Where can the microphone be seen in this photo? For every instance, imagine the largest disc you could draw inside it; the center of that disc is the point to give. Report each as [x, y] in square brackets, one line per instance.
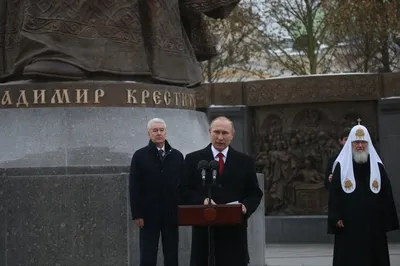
[214, 165]
[203, 165]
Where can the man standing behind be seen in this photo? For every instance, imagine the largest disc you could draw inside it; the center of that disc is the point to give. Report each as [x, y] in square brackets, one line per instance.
[361, 209]
[329, 171]
[236, 181]
[154, 178]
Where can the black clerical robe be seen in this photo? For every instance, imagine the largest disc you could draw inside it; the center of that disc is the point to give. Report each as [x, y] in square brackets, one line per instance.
[366, 216]
[238, 182]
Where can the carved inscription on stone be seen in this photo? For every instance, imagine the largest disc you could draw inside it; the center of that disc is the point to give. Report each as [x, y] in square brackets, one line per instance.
[292, 146]
[87, 94]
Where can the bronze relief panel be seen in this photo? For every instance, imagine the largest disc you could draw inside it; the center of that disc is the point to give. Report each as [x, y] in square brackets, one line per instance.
[292, 145]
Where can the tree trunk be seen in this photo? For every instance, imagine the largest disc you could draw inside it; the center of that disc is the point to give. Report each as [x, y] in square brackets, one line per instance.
[209, 71]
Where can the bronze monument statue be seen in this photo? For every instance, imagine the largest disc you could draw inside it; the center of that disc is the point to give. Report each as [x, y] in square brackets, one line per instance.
[150, 41]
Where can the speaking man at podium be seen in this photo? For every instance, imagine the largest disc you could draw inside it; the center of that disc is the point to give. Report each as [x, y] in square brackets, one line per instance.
[236, 181]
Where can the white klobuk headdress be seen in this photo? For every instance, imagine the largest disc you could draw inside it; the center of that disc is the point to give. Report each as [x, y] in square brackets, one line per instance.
[345, 158]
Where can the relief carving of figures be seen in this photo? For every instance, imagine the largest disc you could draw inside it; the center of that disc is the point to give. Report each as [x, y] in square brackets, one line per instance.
[293, 159]
[309, 174]
[281, 170]
[324, 149]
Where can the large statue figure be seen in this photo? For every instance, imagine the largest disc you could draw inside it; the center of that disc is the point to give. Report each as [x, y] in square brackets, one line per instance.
[151, 41]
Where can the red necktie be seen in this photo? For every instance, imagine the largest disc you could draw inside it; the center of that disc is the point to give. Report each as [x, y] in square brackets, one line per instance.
[221, 163]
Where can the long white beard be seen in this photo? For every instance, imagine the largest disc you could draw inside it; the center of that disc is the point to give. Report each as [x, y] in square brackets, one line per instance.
[360, 157]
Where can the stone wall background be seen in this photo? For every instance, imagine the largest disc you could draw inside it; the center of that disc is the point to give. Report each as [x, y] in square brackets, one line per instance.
[295, 127]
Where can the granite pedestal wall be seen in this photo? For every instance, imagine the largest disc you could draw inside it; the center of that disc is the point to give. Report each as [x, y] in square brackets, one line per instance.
[64, 219]
[71, 219]
[64, 167]
[256, 232]
[389, 132]
[297, 229]
[80, 137]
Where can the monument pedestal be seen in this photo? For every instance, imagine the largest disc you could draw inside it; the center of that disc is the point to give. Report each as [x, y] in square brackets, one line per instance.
[66, 149]
[64, 166]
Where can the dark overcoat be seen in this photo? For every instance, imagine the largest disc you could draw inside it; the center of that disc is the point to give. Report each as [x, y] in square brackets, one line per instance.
[154, 184]
[328, 170]
[238, 182]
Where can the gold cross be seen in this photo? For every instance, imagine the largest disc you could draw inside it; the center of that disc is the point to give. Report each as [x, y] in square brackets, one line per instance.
[359, 120]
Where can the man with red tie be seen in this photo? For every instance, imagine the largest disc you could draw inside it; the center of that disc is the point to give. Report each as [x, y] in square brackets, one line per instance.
[236, 182]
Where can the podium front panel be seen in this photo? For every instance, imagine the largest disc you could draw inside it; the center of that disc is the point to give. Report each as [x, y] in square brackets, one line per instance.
[206, 215]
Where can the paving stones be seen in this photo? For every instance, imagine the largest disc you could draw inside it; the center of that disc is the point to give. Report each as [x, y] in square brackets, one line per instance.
[311, 254]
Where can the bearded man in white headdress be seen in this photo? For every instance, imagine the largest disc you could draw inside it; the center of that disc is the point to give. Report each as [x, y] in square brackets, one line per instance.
[361, 209]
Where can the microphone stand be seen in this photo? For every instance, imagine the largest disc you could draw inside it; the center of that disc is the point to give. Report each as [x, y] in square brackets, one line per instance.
[211, 246]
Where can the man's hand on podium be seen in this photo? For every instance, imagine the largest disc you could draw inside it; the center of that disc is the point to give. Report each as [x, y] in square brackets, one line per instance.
[139, 222]
[244, 210]
[206, 202]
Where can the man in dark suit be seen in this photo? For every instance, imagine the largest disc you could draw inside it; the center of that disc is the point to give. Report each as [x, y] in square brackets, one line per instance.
[329, 171]
[236, 181]
[154, 178]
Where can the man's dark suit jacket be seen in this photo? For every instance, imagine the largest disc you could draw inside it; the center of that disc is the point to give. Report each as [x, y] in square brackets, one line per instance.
[238, 182]
[154, 184]
[329, 170]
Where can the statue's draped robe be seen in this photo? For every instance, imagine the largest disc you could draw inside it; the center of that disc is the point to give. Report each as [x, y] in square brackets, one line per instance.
[163, 39]
[366, 216]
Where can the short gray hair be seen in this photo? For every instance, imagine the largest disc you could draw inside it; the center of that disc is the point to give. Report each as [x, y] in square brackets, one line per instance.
[156, 120]
[222, 118]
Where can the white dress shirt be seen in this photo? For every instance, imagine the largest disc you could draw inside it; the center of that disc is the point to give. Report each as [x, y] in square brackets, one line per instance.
[163, 148]
[215, 153]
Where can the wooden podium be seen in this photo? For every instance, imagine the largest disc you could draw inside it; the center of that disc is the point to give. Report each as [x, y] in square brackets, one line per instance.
[210, 215]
